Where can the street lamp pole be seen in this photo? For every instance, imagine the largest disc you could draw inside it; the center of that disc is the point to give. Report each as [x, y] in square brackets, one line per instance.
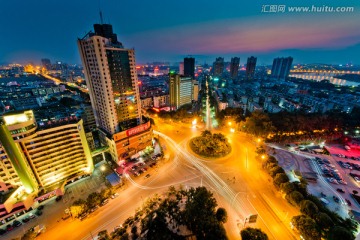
[247, 158]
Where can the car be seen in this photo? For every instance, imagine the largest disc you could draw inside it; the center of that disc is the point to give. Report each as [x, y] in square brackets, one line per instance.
[106, 201]
[336, 199]
[141, 164]
[348, 202]
[83, 216]
[134, 168]
[357, 179]
[147, 175]
[58, 198]
[342, 182]
[17, 223]
[326, 161]
[31, 216]
[38, 213]
[144, 169]
[26, 219]
[136, 174]
[2, 231]
[94, 209]
[41, 207]
[141, 171]
[340, 190]
[322, 194]
[114, 195]
[9, 228]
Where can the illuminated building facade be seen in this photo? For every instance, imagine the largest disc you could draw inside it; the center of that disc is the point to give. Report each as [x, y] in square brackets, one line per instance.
[180, 90]
[37, 160]
[111, 77]
[281, 67]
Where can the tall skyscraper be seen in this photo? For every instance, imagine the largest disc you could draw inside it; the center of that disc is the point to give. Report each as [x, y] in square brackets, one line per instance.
[46, 63]
[189, 67]
[180, 90]
[111, 78]
[181, 68]
[218, 66]
[281, 67]
[250, 67]
[234, 67]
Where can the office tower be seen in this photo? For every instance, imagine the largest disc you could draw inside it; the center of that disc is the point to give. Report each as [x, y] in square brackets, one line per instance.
[180, 90]
[111, 78]
[250, 67]
[45, 62]
[234, 67]
[281, 67]
[189, 67]
[40, 159]
[181, 68]
[218, 67]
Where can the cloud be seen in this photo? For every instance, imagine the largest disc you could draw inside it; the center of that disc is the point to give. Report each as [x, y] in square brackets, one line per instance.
[257, 35]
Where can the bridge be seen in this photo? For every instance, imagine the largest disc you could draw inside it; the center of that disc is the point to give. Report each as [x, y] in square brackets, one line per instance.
[335, 72]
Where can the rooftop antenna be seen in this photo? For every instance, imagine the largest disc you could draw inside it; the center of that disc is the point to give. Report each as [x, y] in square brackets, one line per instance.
[101, 18]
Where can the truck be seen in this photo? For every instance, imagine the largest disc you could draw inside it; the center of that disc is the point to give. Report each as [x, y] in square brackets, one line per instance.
[347, 147]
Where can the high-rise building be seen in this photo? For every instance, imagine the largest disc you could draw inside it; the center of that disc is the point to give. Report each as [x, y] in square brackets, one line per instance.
[281, 67]
[195, 95]
[218, 66]
[37, 161]
[46, 63]
[180, 90]
[111, 78]
[181, 68]
[234, 67]
[189, 67]
[110, 74]
[250, 67]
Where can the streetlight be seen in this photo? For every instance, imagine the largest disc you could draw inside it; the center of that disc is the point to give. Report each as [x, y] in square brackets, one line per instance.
[263, 156]
[103, 168]
[258, 140]
[229, 123]
[232, 130]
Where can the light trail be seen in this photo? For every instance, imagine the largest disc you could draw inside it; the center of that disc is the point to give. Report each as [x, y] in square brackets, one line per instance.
[221, 187]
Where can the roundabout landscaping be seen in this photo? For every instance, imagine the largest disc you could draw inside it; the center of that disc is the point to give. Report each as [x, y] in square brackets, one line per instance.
[210, 145]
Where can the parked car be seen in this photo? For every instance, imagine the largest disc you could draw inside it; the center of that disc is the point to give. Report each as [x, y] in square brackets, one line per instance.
[106, 201]
[41, 207]
[31, 216]
[340, 190]
[17, 223]
[38, 213]
[114, 195]
[322, 194]
[83, 216]
[147, 175]
[9, 228]
[2, 231]
[58, 198]
[336, 199]
[26, 219]
[348, 202]
[94, 209]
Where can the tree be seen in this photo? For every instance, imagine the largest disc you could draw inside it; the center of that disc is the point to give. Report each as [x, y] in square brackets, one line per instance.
[93, 199]
[258, 124]
[275, 170]
[78, 207]
[324, 221]
[308, 208]
[221, 215]
[253, 234]
[307, 227]
[29, 235]
[288, 187]
[295, 198]
[339, 232]
[103, 235]
[280, 178]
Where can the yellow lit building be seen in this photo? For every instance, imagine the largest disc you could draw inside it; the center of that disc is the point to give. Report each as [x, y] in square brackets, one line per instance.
[37, 161]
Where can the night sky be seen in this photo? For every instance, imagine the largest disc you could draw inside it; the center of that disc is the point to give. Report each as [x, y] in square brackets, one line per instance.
[168, 30]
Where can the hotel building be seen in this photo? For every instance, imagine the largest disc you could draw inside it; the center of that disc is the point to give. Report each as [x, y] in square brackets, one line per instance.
[37, 161]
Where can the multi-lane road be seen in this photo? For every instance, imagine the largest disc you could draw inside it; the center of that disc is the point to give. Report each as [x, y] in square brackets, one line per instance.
[237, 181]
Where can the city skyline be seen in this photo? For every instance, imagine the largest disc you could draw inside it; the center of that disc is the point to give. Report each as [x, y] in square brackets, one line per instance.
[240, 30]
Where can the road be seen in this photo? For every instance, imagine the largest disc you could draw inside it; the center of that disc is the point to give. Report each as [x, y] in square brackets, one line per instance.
[237, 181]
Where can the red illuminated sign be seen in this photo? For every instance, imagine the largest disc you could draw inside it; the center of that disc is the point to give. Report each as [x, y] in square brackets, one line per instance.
[138, 129]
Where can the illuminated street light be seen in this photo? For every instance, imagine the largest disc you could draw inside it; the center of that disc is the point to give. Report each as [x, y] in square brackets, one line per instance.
[102, 168]
[194, 122]
[263, 156]
[258, 140]
[346, 132]
[232, 130]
